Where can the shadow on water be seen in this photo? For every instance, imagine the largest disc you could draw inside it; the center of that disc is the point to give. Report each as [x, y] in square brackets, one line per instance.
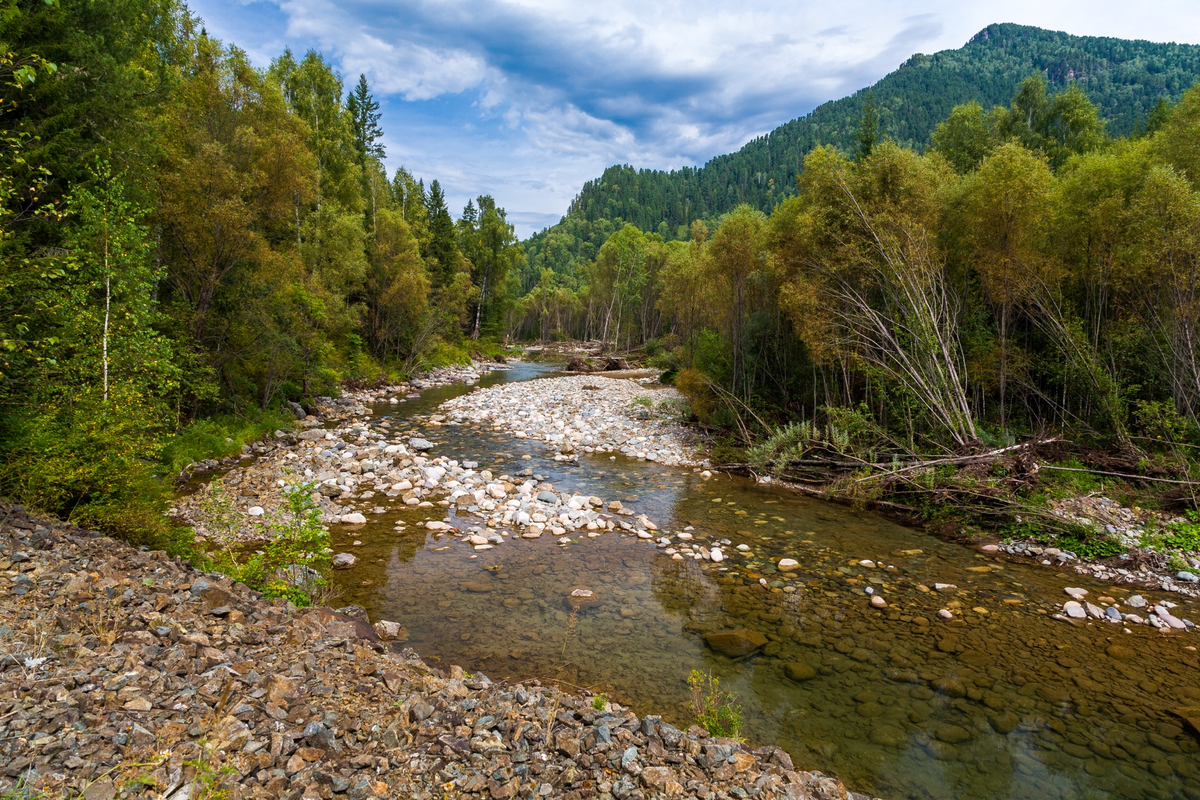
[1001, 702]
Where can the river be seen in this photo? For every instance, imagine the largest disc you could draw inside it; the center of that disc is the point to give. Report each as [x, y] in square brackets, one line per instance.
[1003, 701]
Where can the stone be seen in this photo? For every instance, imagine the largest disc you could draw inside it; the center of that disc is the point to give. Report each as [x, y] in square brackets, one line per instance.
[391, 631]
[344, 560]
[878, 602]
[1120, 652]
[1136, 601]
[736, 643]
[787, 565]
[354, 518]
[952, 734]
[420, 445]
[1189, 577]
[1074, 610]
[799, 671]
[256, 511]
[1076, 593]
[716, 555]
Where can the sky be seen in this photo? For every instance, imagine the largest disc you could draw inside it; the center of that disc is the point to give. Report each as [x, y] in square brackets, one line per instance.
[526, 100]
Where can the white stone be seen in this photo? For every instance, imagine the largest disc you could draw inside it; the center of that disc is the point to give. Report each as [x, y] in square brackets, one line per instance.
[787, 565]
[256, 511]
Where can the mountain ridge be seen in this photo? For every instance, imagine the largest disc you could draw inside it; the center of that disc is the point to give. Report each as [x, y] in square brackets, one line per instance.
[1124, 77]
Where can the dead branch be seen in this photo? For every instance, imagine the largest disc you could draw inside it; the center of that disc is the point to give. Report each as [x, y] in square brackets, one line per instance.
[959, 460]
[1119, 475]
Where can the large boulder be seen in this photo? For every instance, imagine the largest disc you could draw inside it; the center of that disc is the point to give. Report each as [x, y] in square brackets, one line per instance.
[736, 644]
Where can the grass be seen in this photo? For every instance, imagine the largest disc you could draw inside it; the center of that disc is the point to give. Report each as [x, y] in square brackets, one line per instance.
[220, 436]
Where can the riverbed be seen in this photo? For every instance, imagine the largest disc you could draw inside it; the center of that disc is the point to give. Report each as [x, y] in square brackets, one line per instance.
[1000, 701]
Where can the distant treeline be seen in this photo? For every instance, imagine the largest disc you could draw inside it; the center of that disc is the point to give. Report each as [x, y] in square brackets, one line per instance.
[1027, 272]
[1125, 79]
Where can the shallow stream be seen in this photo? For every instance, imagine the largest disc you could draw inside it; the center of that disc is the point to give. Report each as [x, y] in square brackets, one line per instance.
[1001, 702]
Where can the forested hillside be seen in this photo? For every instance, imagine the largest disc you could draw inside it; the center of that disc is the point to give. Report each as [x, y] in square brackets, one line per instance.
[1026, 273]
[187, 241]
[1125, 79]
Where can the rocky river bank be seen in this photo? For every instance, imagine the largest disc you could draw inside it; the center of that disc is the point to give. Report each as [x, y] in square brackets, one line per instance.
[125, 673]
[502, 537]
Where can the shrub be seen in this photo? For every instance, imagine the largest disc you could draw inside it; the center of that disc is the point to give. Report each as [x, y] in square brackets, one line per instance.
[714, 709]
[296, 560]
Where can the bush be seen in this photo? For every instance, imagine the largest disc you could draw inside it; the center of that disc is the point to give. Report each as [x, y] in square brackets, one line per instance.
[714, 709]
[293, 564]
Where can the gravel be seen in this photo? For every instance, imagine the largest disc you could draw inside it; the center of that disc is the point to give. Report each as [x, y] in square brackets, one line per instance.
[124, 672]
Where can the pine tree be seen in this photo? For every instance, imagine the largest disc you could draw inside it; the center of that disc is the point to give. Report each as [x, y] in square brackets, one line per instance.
[442, 251]
[364, 115]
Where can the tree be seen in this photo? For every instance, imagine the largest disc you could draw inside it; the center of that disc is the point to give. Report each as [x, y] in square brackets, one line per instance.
[963, 138]
[490, 244]
[1178, 141]
[364, 116]
[868, 133]
[739, 257]
[1167, 211]
[1060, 126]
[234, 170]
[1007, 212]
[396, 288]
[441, 253]
[868, 280]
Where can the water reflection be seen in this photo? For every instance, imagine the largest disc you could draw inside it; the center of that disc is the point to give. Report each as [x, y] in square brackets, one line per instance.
[1000, 702]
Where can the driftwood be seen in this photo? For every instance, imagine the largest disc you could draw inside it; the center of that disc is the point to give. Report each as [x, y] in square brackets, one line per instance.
[961, 460]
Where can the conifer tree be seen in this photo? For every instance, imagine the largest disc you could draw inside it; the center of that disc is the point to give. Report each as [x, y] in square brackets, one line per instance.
[442, 251]
[364, 115]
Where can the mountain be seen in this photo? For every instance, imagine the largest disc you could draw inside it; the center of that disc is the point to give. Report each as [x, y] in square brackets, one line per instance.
[1124, 78]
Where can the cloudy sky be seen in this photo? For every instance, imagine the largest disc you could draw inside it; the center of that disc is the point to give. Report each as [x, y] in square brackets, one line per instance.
[528, 99]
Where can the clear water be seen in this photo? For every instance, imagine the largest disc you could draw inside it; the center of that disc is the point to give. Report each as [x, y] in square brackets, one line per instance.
[1003, 702]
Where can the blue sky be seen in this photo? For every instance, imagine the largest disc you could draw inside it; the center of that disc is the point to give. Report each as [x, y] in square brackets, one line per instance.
[528, 99]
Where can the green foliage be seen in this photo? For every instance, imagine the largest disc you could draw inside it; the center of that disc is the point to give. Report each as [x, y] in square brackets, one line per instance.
[1176, 537]
[1090, 545]
[220, 436]
[713, 708]
[185, 241]
[293, 562]
[600, 702]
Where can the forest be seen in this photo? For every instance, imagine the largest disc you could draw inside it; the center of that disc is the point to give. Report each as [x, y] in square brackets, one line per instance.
[1027, 273]
[1125, 79]
[187, 240]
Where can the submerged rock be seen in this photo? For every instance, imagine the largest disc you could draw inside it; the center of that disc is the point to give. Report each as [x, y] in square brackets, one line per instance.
[736, 644]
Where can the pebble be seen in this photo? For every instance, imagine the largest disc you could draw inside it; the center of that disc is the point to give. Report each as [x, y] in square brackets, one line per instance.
[588, 413]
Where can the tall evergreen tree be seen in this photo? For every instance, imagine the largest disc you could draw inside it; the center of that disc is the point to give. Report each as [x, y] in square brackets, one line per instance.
[364, 115]
[442, 251]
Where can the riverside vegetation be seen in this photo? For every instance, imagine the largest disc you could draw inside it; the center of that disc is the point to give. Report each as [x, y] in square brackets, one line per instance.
[188, 243]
